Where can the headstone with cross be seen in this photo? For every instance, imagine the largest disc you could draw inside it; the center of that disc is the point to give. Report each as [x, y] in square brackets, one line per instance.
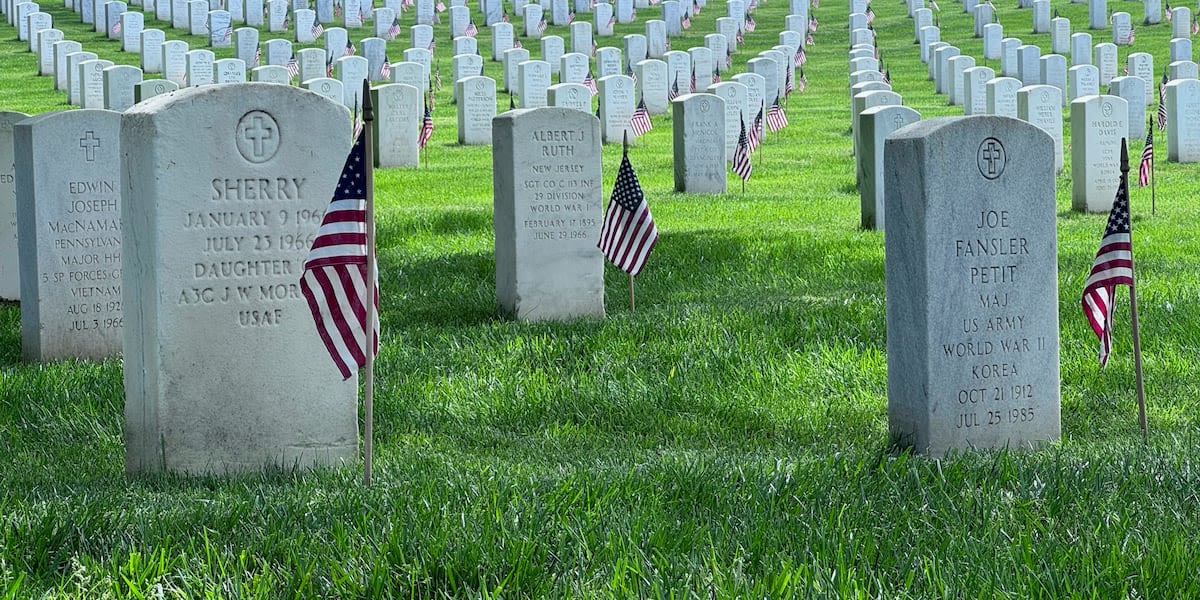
[1098, 124]
[220, 343]
[69, 226]
[972, 286]
[547, 226]
[1041, 105]
[875, 124]
[400, 110]
[476, 109]
[699, 143]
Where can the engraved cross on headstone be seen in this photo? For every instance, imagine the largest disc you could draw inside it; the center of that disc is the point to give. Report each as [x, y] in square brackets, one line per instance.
[89, 142]
[258, 133]
[992, 154]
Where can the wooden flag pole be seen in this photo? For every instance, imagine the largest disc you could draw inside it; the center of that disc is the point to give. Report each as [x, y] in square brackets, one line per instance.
[624, 155]
[369, 321]
[1133, 315]
[1153, 168]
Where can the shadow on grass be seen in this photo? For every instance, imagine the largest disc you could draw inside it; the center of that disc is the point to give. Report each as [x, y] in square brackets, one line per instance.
[447, 221]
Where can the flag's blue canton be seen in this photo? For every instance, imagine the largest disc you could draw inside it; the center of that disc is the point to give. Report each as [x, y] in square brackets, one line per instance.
[353, 185]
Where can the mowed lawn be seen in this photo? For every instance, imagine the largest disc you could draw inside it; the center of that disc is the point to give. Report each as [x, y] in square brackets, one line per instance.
[727, 439]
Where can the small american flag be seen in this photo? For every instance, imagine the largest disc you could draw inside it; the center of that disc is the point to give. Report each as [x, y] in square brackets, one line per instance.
[640, 121]
[686, 22]
[293, 66]
[751, 25]
[589, 82]
[756, 131]
[337, 10]
[812, 24]
[816, 3]
[517, 44]
[1147, 159]
[393, 29]
[1195, 26]
[740, 37]
[808, 41]
[612, 21]
[801, 82]
[696, 7]
[776, 118]
[432, 45]
[334, 281]
[1162, 103]
[887, 76]
[504, 17]
[257, 56]
[317, 30]
[934, 5]
[870, 14]
[471, 30]
[570, 17]
[800, 57]
[741, 155]
[437, 78]
[728, 56]
[789, 85]
[673, 93]
[1130, 37]
[116, 28]
[541, 26]
[426, 129]
[329, 68]
[1113, 266]
[593, 47]
[693, 82]
[385, 71]
[228, 33]
[717, 75]
[630, 74]
[350, 50]
[440, 6]
[628, 234]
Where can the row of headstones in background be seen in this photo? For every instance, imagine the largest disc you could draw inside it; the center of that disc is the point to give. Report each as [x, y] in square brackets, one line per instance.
[988, 376]
[1096, 128]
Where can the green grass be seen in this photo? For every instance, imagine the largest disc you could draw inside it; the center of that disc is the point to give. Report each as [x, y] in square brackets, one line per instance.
[727, 439]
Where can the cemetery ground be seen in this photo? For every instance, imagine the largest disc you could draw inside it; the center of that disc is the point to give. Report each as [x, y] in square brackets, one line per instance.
[727, 438]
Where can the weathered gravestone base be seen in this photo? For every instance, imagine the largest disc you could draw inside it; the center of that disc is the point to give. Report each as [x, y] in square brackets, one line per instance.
[972, 285]
[546, 177]
[224, 369]
[69, 234]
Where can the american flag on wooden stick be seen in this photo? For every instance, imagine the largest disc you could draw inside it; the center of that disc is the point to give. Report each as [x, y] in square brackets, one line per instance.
[1112, 266]
[1162, 102]
[426, 128]
[472, 30]
[629, 233]
[317, 30]
[1147, 159]
[756, 131]
[334, 281]
[776, 118]
[640, 121]
[741, 155]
